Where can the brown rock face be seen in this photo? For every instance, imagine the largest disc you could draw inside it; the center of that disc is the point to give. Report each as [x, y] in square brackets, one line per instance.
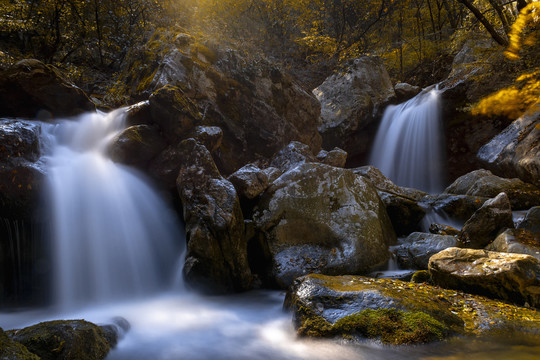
[32, 89]
[511, 277]
[216, 259]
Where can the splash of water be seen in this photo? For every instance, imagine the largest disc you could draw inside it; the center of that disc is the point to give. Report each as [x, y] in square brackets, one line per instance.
[408, 148]
[114, 236]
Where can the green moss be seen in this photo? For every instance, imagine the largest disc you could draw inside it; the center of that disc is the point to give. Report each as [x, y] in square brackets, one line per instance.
[421, 276]
[10, 349]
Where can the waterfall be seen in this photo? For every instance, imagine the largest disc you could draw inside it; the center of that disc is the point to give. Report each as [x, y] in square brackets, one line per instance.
[113, 236]
[408, 147]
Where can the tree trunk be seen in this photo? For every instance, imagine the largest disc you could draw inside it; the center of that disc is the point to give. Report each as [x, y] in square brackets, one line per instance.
[494, 34]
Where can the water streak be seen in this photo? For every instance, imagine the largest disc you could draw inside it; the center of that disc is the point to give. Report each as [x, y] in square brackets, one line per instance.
[114, 237]
[408, 147]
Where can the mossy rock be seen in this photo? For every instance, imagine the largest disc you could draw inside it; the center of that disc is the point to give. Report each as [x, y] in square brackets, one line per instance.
[64, 340]
[356, 306]
[12, 350]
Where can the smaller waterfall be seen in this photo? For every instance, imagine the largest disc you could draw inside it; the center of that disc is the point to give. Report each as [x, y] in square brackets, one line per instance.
[114, 237]
[408, 147]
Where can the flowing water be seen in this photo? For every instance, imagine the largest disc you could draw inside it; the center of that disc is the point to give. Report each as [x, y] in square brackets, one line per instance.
[408, 148]
[116, 243]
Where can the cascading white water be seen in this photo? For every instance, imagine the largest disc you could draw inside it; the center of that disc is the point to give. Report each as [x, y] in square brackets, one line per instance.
[408, 148]
[114, 237]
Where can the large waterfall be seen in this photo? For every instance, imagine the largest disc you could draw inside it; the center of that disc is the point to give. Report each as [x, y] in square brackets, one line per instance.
[409, 146]
[113, 236]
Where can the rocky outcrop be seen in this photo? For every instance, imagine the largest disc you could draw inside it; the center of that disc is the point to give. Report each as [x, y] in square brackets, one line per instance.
[515, 152]
[482, 228]
[483, 183]
[318, 218]
[517, 241]
[336, 157]
[511, 277]
[249, 181]
[397, 312]
[21, 176]
[414, 252]
[405, 91]
[292, 155]
[31, 89]
[216, 258]
[350, 101]
[64, 340]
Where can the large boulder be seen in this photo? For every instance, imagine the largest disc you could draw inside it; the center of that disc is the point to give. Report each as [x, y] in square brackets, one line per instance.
[32, 89]
[531, 221]
[216, 258]
[515, 152]
[484, 184]
[397, 312]
[482, 228]
[350, 101]
[511, 277]
[64, 340]
[414, 252]
[319, 218]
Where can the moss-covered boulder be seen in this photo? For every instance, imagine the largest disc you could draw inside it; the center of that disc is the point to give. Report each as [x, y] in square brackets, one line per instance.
[33, 89]
[64, 340]
[484, 184]
[12, 350]
[397, 312]
[216, 258]
[319, 218]
[484, 225]
[510, 277]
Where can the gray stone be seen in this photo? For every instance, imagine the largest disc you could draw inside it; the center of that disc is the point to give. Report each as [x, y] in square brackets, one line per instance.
[417, 248]
[295, 153]
[516, 241]
[249, 181]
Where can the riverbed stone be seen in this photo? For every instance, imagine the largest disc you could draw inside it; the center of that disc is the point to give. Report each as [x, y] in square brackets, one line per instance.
[330, 306]
[414, 252]
[482, 228]
[518, 241]
[531, 221]
[510, 277]
[216, 258]
[319, 218]
[64, 340]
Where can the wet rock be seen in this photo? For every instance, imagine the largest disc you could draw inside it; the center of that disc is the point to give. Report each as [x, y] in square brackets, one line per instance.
[294, 154]
[483, 183]
[330, 306]
[531, 222]
[139, 114]
[318, 218]
[336, 157]
[209, 136]
[517, 241]
[460, 207]
[175, 114]
[136, 145]
[21, 176]
[32, 89]
[515, 152]
[64, 340]
[350, 100]
[12, 350]
[406, 91]
[382, 183]
[216, 259]
[510, 277]
[482, 228]
[442, 229]
[249, 181]
[272, 173]
[414, 252]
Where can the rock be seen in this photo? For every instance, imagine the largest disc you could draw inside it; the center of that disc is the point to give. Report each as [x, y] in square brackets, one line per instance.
[397, 312]
[12, 350]
[272, 173]
[136, 145]
[21, 176]
[460, 207]
[350, 100]
[531, 221]
[173, 112]
[401, 203]
[294, 154]
[216, 259]
[64, 340]
[516, 241]
[414, 252]
[31, 89]
[442, 229]
[406, 91]
[318, 218]
[209, 136]
[336, 157]
[484, 184]
[249, 181]
[510, 277]
[139, 114]
[482, 228]
[515, 152]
